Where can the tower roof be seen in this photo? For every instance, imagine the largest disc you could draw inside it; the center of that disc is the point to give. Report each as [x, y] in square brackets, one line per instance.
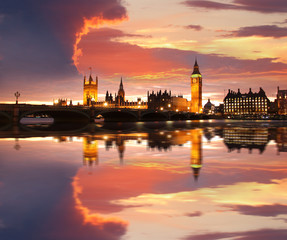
[90, 78]
[121, 89]
[196, 68]
[121, 85]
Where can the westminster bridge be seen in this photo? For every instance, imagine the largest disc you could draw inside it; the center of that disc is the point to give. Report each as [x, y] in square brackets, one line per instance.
[15, 112]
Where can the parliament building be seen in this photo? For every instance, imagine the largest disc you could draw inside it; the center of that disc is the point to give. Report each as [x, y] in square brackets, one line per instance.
[237, 103]
[90, 91]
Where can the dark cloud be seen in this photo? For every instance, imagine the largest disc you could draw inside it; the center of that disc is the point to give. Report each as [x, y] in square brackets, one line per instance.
[262, 6]
[282, 22]
[37, 38]
[264, 210]
[209, 5]
[194, 27]
[194, 214]
[263, 234]
[262, 31]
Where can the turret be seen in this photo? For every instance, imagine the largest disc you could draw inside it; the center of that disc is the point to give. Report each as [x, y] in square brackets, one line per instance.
[90, 79]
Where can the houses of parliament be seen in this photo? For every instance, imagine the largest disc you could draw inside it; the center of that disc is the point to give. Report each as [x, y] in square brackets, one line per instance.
[160, 100]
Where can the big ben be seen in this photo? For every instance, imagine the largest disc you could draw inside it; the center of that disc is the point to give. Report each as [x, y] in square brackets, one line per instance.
[196, 89]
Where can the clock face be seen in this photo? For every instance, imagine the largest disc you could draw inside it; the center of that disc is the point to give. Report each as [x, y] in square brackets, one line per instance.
[193, 80]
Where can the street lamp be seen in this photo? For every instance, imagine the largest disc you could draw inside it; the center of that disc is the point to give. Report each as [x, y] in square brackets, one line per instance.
[17, 95]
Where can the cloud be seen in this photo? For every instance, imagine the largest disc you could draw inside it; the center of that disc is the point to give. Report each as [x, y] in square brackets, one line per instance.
[261, 31]
[282, 22]
[262, 6]
[38, 39]
[194, 214]
[264, 210]
[194, 27]
[153, 180]
[263, 234]
[106, 52]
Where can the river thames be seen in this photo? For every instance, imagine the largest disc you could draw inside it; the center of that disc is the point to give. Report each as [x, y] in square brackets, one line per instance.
[192, 180]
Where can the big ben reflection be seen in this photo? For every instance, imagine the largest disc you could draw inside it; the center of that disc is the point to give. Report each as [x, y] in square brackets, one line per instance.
[90, 151]
[162, 140]
[196, 151]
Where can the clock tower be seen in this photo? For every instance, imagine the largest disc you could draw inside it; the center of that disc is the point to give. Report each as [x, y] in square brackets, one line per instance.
[196, 90]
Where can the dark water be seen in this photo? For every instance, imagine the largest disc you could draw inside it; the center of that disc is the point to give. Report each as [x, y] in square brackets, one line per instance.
[174, 180]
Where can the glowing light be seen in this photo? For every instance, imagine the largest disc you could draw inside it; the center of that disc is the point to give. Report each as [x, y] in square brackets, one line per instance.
[105, 104]
[161, 108]
[168, 105]
[105, 137]
[177, 110]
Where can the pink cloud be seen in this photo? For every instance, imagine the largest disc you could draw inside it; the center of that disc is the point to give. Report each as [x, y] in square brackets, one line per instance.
[261, 31]
[262, 6]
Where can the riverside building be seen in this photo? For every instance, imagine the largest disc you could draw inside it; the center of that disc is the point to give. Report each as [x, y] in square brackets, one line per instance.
[251, 103]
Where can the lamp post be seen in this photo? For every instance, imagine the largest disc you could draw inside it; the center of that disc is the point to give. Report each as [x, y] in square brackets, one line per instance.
[17, 95]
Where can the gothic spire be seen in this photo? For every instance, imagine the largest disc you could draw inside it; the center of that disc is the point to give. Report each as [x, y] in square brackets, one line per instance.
[196, 68]
[195, 64]
[121, 84]
[90, 78]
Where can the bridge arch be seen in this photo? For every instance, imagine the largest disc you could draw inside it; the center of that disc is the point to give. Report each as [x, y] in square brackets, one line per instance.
[179, 116]
[60, 115]
[117, 115]
[154, 116]
[5, 118]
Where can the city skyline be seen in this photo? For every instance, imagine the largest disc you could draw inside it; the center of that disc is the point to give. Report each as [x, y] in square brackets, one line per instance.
[47, 48]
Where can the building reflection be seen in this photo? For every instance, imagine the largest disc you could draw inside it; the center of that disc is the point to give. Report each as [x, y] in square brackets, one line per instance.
[234, 138]
[120, 143]
[196, 151]
[281, 139]
[250, 138]
[90, 151]
[156, 140]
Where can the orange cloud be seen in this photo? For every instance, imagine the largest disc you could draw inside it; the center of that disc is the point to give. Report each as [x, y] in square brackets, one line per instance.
[89, 24]
[113, 224]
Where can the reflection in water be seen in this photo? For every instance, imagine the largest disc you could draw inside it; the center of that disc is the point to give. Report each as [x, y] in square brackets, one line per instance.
[146, 185]
[281, 139]
[233, 138]
[196, 151]
[250, 138]
[160, 140]
[90, 149]
[17, 144]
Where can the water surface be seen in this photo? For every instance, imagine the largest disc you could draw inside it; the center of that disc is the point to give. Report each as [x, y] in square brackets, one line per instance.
[145, 181]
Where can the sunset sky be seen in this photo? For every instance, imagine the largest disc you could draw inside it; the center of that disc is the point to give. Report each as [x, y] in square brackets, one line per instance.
[46, 47]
